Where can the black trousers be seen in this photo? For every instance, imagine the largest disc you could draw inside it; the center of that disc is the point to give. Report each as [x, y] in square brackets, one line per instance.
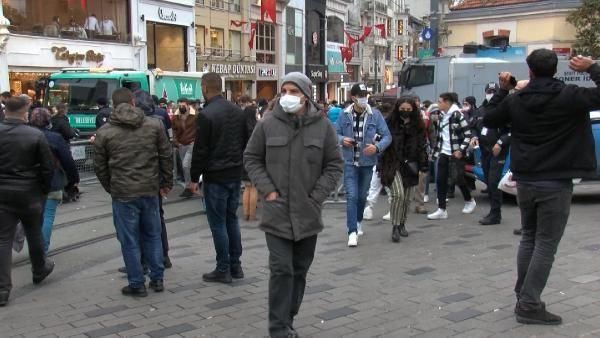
[289, 262]
[443, 173]
[494, 165]
[28, 207]
[544, 215]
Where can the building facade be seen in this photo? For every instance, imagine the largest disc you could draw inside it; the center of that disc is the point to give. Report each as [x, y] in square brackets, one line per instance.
[222, 36]
[46, 36]
[523, 25]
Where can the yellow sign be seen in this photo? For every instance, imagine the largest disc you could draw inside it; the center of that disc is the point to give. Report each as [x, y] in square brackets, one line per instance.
[63, 54]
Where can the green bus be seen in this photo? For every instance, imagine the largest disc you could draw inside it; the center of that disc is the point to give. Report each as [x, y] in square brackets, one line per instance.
[80, 88]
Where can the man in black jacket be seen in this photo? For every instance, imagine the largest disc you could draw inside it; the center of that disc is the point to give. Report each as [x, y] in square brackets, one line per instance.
[552, 143]
[26, 170]
[103, 113]
[221, 138]
[494, 144]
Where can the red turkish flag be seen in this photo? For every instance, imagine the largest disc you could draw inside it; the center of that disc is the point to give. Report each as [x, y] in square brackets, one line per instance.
[268, 7]
[351, 40]
[346, 54]
[252, 34]
[381, 28]
[366, 31]
[237, 23]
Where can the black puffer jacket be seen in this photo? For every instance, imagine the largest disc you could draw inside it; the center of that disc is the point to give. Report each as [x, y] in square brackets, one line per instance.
[551, 128]
[408, 144]
[221, 137]
[26, 163]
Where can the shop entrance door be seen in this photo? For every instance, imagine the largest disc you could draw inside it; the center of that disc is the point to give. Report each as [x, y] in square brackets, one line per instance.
[167, 47]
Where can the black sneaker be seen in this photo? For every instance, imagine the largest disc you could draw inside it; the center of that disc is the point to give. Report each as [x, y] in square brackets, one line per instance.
[38, 277]
[122, 269]
[538, 317]
[4, 298]
[293, 333]
[167, 262]
[518, 232]
[134, 292]
[187, 193]
[217, 277]
[157, 285]
[237, 272]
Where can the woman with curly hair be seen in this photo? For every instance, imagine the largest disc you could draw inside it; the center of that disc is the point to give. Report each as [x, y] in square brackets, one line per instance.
[401, 162]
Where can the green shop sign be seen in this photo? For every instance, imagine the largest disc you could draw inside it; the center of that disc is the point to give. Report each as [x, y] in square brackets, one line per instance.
[82, 121]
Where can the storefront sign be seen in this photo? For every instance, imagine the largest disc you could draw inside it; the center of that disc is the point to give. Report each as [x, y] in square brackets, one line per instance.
[186, 88]
[317, 73]
[167, 14]
[334, 58]
[267, 72]
[63, 54]
[230, 68]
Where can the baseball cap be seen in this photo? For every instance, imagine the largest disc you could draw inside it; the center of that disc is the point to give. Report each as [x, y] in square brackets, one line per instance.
[358, 89]
[491, 86]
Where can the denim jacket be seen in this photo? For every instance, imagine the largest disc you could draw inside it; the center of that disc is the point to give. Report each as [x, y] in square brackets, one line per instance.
[374, 125]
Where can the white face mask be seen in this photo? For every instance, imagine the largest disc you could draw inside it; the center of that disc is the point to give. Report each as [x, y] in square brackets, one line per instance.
[362, 102]
[290, 103]
[489, 96]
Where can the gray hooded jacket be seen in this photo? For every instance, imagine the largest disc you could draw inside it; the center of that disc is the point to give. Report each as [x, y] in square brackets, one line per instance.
[299, 158]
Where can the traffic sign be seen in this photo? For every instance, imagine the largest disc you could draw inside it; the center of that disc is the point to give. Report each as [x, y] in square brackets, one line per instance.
[427, 34]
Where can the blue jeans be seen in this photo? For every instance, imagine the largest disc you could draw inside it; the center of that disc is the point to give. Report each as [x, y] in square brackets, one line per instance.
[222, 201]
[357, 181]
[137, 221]
[49, 214]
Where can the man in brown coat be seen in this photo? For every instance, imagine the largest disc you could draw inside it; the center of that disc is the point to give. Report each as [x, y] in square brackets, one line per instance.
[184, 134]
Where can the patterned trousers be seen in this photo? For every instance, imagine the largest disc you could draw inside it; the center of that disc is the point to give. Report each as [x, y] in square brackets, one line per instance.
[400, 200]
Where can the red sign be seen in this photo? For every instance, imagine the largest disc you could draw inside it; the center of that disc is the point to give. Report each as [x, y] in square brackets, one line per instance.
[268, 7]
[562, 51]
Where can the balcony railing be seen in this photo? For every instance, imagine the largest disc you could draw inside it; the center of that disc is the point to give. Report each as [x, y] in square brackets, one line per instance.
[220, 5]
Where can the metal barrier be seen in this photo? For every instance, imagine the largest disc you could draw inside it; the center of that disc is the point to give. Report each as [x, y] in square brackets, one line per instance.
[82, 152]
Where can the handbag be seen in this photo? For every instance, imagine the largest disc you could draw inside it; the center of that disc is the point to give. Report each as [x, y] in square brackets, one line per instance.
[413, 167]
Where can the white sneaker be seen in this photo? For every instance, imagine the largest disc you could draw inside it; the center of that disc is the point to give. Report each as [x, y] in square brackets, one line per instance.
[469, 206]
[387, 217]
[368, 213]
[426, 198]
[438, 214]
[353, 240]
[359, 229]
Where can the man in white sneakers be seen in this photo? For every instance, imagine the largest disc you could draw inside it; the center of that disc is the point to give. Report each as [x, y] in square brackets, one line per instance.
[453, 140]
[357, 129]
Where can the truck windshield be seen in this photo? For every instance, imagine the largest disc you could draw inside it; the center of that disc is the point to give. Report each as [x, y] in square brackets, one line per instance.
[79, 94]
[420, 75]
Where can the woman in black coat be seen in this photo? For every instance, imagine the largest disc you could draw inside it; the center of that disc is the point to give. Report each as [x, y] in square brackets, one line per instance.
[401, 162]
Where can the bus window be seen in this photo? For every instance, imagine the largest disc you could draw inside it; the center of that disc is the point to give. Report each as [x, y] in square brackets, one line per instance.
[132, 85]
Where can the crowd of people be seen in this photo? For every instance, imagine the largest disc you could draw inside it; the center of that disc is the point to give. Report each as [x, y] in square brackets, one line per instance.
[91, 28]
[292, 153]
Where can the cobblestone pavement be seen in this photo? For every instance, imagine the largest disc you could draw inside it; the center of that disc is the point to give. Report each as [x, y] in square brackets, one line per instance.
[449, 278]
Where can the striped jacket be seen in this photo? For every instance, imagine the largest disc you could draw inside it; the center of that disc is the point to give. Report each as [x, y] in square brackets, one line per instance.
[460, 133]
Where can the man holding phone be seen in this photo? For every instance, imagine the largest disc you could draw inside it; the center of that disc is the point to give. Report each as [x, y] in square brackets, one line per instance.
[357, 128]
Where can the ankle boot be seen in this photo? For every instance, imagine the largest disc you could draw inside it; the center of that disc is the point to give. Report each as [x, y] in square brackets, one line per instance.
[403, 231]
[396, 233]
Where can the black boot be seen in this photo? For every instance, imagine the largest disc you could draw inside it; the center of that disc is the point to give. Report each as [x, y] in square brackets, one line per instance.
[403, 231]
[490, 220]
[167, 262]
[396, 233]
[237, 272]
[39, 276]
[4, 298]
[157, 285]
[217, 277]
[538, 316]
[518, 232]
[134, 292]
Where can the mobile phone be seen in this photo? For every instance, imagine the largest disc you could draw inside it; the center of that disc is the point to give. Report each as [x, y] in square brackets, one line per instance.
[513, 81]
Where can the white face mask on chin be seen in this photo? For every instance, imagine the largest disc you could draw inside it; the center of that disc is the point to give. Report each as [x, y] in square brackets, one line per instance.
[290, 103]
[489, 96]
[362, 102]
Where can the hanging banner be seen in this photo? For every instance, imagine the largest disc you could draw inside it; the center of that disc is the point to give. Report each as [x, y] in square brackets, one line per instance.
[381, 28]
[366, 31]
[252, 34]
[237, 23]
[351, 40]
[346, 54]
[268, 8]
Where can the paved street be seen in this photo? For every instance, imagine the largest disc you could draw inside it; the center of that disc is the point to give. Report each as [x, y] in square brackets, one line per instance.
[449, 278]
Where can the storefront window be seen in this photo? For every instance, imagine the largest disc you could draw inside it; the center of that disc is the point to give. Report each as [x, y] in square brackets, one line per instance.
[106, 20]
[335, 29]
[235, 43]
[265, 43]
[200, 44]
[166, 46]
